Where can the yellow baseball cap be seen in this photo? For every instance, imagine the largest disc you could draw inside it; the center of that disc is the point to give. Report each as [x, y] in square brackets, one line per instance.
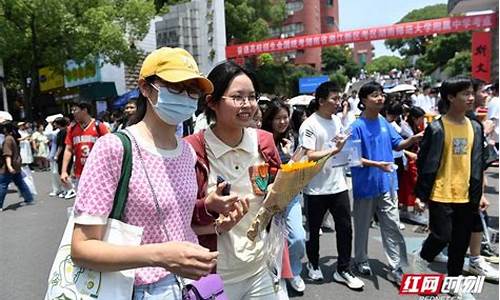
[174, 65]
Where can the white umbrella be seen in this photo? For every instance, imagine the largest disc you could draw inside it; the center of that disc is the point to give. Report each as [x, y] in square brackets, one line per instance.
[5, 116]
[300, 100]
[52, 118]
[264, 98]
[401, 88]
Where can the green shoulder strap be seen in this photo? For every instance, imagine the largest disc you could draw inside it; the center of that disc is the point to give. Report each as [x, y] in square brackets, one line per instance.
[121, 194]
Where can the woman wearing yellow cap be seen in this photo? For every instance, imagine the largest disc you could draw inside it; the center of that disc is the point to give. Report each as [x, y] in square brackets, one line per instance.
[162, 189]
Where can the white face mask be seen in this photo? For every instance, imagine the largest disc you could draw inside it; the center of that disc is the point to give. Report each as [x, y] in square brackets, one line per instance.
[174, 109]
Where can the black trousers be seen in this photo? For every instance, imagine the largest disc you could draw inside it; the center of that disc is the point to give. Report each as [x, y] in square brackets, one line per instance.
[339, 207]
[450, 224]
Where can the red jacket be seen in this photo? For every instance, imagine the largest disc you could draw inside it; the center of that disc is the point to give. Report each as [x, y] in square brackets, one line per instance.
[269, 153]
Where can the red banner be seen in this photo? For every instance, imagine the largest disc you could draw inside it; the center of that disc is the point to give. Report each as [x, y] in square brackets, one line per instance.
[481, 55]
[397, 31]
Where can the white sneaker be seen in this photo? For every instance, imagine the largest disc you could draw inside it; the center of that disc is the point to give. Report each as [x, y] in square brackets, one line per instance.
[70, 194]
[61, 194]
[480, 267]
[297, 284]
[314, 274]
[441, 258]
[53, 194]
[349, 279]
[402, 226]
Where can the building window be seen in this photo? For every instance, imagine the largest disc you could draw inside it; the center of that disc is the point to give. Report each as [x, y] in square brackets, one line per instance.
[330, 21]
[329, 2]
[294, 6]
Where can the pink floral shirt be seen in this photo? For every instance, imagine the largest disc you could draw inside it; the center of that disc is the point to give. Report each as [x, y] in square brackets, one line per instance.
[173, 177]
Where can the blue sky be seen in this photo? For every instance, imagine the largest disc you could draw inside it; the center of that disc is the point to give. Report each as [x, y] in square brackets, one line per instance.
[357, 14]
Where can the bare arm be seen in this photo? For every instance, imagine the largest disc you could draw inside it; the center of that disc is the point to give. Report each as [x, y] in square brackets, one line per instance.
[183, 258]
[68, 153]
[316, 155]
[340, 141]
[410, 141]
[8, 163]
[384, 165]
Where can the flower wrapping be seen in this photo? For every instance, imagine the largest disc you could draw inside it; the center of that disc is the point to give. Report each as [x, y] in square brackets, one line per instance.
[289, 181]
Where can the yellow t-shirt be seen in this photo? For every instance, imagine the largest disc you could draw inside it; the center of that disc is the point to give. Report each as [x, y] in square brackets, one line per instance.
[452, 180]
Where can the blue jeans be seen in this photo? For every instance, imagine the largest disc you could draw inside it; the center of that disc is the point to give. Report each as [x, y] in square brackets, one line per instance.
[164, 289]
[7, 178]
[296, 235]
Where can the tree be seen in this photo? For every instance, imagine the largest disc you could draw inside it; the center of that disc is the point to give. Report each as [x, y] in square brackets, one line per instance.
[417, 46]
[443, 48]
[37, 33]
[279, 78]
[339, 58]
[248, 21]
[460, 64]
[434, 51]
[384, 64]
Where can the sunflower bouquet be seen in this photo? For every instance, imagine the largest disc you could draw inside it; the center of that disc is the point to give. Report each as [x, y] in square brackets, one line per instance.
[290, 180]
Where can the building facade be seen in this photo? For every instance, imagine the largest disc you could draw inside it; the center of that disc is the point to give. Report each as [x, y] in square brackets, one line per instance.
[469, 6]
[197, 26]
[309, 17]
[362, 53]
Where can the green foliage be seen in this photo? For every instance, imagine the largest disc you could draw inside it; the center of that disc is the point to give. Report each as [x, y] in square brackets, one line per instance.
[161, 6]
[434, 51]
[279, 78]
[384, 64]
[460, 64]
[339, 58]
[37, 33]
[248, 21]
[416, 46]
[339, 78]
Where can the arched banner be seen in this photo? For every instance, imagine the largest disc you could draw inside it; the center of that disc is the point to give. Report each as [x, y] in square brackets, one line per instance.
[397, 31]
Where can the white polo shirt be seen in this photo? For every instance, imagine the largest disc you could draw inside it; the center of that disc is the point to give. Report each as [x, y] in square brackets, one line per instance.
[239, 258]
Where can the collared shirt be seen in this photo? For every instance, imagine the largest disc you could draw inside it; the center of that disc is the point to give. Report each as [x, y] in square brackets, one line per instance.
[239, 258]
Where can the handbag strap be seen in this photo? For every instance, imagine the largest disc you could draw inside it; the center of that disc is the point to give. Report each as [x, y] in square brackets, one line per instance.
[121, 194]
[161, 216]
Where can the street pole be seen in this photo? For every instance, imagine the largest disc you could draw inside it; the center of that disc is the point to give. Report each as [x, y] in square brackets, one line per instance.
[4, 97]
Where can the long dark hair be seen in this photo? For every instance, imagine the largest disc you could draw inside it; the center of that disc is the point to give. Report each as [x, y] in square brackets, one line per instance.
[141, 104]
[296, 119]
[221, 76]
[271, 112]
[8, 128]
[414, 113]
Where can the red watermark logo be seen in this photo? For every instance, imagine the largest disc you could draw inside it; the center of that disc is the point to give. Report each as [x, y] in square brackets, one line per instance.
[434, 284]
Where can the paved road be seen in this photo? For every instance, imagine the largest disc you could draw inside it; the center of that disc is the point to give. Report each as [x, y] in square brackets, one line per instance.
[29, 237]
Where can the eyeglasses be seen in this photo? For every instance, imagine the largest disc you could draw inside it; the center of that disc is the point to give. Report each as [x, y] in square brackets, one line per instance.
[240, 100]
[177, 89]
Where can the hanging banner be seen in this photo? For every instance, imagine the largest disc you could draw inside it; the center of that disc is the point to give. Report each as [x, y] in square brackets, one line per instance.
[397, 31]
[481, 56]
[49, 79]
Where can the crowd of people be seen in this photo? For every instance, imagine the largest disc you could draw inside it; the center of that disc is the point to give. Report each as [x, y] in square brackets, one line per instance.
[205, 151]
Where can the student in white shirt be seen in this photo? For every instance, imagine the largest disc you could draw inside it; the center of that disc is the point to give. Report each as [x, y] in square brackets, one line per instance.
[320, 135]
